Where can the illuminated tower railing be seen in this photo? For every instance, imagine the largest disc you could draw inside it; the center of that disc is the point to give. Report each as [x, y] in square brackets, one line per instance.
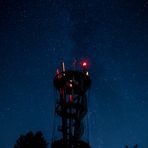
[71, 108]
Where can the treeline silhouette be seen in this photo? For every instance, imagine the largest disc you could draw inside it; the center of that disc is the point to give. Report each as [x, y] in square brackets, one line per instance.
[37, 140]
[135, 146]
[31, 140]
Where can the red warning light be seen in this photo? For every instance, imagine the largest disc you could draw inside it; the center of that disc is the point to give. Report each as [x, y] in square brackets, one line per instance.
[70, 98]
[84, 64]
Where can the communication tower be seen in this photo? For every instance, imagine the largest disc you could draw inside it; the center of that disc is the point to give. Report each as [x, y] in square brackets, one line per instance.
[71, 108]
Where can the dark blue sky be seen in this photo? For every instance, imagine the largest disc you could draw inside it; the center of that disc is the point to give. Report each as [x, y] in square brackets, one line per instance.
[35, 36]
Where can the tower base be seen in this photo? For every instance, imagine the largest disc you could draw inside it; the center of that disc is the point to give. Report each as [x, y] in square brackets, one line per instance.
[70, 144]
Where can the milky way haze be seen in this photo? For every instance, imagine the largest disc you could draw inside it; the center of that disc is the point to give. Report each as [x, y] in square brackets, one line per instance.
[35, 36]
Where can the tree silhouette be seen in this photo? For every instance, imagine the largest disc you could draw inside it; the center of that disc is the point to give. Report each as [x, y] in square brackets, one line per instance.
[31, 140]
[136, 146]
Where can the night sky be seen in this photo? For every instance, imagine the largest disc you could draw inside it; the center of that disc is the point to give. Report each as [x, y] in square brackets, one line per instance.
[112, 35]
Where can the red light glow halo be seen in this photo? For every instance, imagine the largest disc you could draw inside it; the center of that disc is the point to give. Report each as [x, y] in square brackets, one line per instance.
[84, 63]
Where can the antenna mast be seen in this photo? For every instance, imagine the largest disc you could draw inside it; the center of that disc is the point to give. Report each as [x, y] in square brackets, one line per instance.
[71, 108]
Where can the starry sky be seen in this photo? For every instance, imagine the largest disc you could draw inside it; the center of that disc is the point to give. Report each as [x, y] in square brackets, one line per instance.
[112, 35]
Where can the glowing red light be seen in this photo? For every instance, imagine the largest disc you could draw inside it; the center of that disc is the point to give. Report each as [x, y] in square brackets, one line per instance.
[84, 64]
[70, 98]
